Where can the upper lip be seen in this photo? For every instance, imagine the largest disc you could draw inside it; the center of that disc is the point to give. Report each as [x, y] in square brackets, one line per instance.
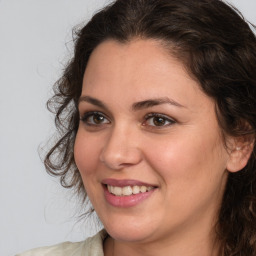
[125, 182]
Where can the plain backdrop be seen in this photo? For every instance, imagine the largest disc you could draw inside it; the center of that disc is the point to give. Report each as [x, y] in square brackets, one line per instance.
[35, 43]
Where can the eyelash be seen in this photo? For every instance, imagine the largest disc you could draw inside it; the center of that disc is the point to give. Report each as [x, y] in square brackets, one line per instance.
[92, 114]
[160, 116]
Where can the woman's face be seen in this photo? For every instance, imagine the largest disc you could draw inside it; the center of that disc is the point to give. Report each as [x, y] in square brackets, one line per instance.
[148, 147]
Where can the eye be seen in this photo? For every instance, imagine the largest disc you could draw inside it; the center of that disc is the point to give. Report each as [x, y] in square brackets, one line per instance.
[158, 120]
[94, 119]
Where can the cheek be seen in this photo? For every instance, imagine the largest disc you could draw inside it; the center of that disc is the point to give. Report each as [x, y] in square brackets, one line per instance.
[188, 161]
[189, 170]
[86, 153]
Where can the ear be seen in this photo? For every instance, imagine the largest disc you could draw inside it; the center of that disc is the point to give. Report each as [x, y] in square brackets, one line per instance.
[240, 150]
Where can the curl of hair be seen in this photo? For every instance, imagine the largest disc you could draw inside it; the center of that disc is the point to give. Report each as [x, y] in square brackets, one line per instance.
[217, 47]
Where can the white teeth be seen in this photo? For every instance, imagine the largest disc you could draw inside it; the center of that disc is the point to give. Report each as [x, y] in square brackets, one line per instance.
[128, 190]
[117, 191]
[143, 189]
[135, 189]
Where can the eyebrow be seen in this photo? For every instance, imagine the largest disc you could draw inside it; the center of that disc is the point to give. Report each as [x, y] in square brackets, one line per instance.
[93, 101]
[135, 106]
[155, 102]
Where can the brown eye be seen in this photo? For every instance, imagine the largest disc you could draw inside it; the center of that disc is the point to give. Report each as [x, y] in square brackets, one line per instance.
[98, 119]
[158, 120]
[94, 118]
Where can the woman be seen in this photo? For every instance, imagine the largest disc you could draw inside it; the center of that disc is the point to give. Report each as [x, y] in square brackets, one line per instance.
[157, 115]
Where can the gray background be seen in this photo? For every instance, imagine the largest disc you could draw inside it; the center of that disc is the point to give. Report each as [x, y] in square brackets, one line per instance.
[35, 42]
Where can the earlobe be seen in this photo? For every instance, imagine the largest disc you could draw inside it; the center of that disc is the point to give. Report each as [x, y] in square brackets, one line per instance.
[239, 156]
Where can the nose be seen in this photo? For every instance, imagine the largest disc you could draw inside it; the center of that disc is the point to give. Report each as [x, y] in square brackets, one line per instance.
[121, 149]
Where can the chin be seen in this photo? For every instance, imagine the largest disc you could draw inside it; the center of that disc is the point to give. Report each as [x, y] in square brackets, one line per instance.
[130, 231]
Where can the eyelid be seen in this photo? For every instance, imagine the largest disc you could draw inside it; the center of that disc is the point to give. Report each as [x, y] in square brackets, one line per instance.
[153, 114]
[167, 118]
[88, 114]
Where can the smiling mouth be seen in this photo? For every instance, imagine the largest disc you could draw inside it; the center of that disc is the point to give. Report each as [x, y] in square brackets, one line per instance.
[128, 190]
[127, 193]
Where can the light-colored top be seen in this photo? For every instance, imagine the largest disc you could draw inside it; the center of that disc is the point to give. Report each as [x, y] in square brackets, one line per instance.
[92, 246]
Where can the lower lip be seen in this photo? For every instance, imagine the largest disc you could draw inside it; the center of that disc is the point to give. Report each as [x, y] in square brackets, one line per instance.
[126, 201]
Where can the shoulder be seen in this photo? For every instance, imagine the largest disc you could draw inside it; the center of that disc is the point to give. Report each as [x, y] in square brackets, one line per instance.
[92, 246]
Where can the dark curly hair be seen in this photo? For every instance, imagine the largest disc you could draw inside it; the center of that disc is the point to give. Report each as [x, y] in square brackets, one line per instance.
[218, 48]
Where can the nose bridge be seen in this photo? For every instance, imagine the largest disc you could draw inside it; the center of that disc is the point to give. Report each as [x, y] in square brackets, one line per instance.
[122, 147]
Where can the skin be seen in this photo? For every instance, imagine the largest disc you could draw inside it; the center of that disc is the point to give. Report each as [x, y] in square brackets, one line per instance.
[185, 158]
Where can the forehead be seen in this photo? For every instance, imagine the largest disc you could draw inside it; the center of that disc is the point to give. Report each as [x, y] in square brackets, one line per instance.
[137, 57]
[139, 68]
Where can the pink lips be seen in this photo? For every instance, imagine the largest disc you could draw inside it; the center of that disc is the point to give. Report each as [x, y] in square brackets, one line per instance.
[125, 201]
